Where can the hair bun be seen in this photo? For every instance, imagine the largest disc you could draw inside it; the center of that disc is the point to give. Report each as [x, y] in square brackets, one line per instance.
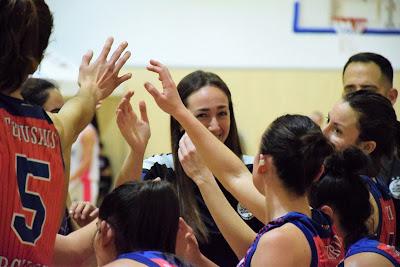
[349, 162]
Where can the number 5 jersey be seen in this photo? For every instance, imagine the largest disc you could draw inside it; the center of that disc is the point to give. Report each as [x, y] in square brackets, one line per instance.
[32, 184]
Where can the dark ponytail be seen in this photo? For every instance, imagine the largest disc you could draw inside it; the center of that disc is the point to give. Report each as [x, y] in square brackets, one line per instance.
[298, 149]
[343, 189]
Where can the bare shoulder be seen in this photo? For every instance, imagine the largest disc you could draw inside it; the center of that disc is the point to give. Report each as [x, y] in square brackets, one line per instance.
[283, 246]
[125, 263]
[367, 259]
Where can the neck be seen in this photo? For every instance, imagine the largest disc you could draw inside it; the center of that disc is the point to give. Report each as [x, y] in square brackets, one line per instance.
[279, 201]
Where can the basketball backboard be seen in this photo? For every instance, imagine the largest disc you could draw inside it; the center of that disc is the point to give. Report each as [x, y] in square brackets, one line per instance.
[318, 16]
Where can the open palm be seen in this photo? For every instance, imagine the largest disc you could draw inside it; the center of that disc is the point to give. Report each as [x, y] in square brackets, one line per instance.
[135, 131]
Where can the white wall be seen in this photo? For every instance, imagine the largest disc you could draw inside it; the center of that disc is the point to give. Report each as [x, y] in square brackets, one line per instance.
[203, 33]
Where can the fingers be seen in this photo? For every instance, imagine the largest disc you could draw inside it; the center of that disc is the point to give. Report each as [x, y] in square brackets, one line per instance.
[106, 49]
[152, 90]
[143, 111]
[121, 61]
[123, 78]
[94, 213]
[86, 210]
[76, 209]
[118, 52]
[188, 142]
[163, 72]
[86, 58]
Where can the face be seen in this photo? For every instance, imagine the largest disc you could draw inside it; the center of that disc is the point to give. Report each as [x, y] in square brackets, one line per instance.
[54, 102]
[365, 75]
[210, 106]
[342, 126]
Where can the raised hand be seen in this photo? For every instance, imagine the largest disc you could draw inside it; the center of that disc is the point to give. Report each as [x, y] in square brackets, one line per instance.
[136, 132]
[168, 100]
[192, 162]
[83, 212]
[102, 74]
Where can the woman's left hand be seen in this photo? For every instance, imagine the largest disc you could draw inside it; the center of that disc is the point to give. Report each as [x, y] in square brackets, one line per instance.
[191, 161]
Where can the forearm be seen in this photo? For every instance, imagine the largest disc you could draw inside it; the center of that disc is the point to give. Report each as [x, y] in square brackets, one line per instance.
[225, 165]
[235, 231]
[73, 117]
[75, 248]
[132, 168]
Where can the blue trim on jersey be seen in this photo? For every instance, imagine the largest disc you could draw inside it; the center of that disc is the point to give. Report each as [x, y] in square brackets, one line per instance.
[369, 245]
[379, 191]
[309, 228]
[18, 107]
[146, 257]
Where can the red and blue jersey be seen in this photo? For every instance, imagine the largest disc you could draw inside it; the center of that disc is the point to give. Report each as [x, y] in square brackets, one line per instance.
[153, 258]
[32, 184]
[386, 230]
[326, 247]
[371, 245]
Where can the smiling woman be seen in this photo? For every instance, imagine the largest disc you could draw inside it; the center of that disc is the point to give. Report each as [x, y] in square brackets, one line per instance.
[368, 121]
[207, 96]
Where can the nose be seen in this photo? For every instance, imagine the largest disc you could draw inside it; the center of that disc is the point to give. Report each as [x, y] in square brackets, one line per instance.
[213, 126]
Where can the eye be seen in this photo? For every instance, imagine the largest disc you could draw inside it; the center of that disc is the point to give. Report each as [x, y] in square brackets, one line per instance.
[337, 131]
[327, 119]
[223, 113]
[201, 115]
[349, 89]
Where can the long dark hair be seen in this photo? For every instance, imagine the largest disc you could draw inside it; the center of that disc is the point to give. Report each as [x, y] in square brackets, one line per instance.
[25, 28]
[298, 148]
[343, 190]
[377, 121]
[184, 185]
[144, 216]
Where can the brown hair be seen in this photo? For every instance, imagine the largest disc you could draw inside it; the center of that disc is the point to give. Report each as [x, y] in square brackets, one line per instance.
[25, 28]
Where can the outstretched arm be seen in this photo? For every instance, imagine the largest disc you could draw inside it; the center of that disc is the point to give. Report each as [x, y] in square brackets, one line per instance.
[136, 133]
[97, 80]
[235, 231]
[223, 163]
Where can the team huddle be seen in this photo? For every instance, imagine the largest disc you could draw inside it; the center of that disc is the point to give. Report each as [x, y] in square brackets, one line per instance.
[309, 197]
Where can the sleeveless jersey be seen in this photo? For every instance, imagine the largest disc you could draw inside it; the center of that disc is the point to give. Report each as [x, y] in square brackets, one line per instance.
[153, 258]
[32, 184]
[371, 245]
[386, 232]
[326, 248]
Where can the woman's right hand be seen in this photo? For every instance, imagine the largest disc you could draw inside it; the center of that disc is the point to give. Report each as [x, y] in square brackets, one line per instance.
[135, 131]
[168, 100]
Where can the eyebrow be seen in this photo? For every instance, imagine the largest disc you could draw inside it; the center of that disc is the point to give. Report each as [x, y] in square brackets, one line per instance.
[207, 109]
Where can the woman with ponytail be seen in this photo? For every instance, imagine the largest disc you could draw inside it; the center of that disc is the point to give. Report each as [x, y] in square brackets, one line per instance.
[368, 121]
[35, 145]
[343, 195]
[290, 158]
